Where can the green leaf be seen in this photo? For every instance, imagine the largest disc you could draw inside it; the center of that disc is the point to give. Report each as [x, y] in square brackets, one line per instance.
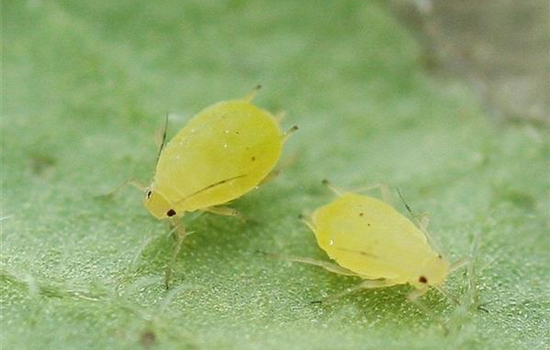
[87, 84]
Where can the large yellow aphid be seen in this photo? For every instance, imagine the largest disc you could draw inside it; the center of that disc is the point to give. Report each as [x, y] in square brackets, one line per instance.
[223, 152]
[370, 239]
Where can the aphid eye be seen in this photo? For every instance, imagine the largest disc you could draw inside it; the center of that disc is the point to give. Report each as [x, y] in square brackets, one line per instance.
[422, 279]
[171, 212]
[148, 194]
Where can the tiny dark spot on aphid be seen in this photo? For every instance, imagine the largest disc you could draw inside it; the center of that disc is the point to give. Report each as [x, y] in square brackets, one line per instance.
[423, 279]
[368, 225]
[171, 212]
[439, 256]
[361, 214]
[238, 133]
[148, 338]
[253, 158]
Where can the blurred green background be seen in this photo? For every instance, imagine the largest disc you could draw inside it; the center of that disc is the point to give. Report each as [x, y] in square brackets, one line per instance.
[85, 87]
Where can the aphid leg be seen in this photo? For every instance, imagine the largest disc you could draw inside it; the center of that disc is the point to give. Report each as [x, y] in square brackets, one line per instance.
[382, 187]
[276, 172]
[132, 182]
[460, 263]
[384, 190]
[472, 272]
[415, 294]
[225, 211]
[414, 297]
[280, 116]
[252, 93]
[320, 263]
[179, 236]
[273, 174]
[307, 221]
[289, 132]
[367, 284]
[423, 221]
[337, 191]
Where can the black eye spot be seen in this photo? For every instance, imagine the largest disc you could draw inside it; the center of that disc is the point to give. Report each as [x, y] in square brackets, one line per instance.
[171, 212]
[149, 193]
[423, 279]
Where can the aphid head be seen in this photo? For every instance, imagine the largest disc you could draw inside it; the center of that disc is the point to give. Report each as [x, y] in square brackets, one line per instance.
[434, 272]
[157, 205]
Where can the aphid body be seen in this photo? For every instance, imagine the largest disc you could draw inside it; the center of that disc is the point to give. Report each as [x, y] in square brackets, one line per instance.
[224, 152]
[374, 241]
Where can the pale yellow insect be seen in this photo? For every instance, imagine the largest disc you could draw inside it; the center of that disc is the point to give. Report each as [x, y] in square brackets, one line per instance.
[370, 239]
[223, 152]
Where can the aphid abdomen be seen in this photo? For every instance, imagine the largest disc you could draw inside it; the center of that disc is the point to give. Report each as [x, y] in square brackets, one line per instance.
[233, 141]
[370, 238]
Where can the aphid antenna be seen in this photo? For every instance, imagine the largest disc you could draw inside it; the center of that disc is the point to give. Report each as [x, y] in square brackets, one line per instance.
[136, 184]
[163, 141]
[420, 225]
[253, 93]
[289, 132]
[130, 181]
[447, 295]
[405, 203]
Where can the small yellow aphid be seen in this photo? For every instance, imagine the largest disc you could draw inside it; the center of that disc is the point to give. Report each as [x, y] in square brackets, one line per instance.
[368, 238]
[223, 152]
